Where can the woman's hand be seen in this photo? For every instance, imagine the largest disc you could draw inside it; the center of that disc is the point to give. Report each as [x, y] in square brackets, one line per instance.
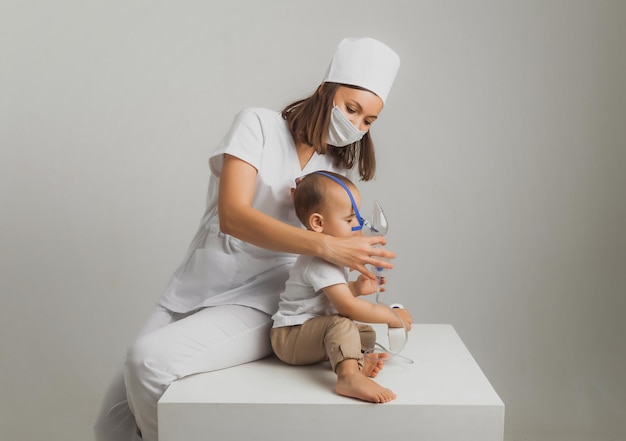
[356, 252]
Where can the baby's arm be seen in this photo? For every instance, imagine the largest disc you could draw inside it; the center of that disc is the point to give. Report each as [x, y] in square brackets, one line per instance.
[361, 310]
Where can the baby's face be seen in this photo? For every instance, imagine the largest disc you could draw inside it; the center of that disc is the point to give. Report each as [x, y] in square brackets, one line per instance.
[339, 216]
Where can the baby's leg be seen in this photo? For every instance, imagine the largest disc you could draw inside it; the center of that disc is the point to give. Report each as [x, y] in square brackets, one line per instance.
[368, 337]
[352, 383]
[302, 344]
[343, 345]
[373, 362]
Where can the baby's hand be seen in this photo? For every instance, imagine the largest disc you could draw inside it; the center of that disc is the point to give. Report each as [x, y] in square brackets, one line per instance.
[365, 286]
[404, 316]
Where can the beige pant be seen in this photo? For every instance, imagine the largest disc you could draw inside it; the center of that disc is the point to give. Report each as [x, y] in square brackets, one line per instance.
[333, 337]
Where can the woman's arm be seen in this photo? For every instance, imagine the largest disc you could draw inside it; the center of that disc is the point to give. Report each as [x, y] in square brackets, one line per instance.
[239, 219]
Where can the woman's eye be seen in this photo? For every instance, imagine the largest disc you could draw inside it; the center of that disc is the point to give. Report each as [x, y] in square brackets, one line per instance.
[350, 109]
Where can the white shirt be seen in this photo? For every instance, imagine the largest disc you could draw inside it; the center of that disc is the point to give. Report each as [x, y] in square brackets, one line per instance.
[303, 298]
[220, 269]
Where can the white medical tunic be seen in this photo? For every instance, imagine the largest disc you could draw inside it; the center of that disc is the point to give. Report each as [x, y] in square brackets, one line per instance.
[220, 269]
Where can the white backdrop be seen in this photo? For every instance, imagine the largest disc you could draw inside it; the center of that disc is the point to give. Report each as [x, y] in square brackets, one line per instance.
[502, 168]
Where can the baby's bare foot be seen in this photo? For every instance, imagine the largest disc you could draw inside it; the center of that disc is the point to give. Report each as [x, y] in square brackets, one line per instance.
[373, 363]
[359, 386]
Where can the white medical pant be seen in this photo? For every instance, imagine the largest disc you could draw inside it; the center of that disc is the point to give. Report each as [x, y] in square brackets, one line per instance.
[172, 346]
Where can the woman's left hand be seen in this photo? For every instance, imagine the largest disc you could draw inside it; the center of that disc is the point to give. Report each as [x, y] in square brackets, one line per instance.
[356, 252]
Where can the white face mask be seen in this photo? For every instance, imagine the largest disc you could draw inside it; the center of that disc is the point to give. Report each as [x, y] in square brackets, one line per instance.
[341, 132]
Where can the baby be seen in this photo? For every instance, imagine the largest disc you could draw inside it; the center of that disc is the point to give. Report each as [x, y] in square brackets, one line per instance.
[317, 309]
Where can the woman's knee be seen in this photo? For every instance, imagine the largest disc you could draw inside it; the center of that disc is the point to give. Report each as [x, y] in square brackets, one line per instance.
[145, 360]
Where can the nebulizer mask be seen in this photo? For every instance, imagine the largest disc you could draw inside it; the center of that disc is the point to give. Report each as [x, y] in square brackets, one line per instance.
[341, 132]
[378, 226]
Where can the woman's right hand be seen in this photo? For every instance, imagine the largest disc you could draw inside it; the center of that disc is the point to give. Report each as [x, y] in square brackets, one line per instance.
[357, 252]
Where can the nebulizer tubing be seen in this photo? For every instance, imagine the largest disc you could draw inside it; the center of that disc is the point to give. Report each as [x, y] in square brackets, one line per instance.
[379, 227]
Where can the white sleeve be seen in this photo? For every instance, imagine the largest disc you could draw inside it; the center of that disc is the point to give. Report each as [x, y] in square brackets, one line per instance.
[244, 140]
[321, 274]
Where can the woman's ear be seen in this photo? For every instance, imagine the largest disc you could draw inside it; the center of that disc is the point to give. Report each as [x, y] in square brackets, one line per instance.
[316, 222]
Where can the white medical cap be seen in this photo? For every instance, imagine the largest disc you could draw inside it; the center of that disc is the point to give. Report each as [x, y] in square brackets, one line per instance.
[366, 63]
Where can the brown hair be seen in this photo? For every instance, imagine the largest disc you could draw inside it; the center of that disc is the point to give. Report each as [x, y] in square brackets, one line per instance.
[309, 118]
[309, 195]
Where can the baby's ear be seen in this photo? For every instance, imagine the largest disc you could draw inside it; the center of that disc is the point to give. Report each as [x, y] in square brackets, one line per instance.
[316, 222]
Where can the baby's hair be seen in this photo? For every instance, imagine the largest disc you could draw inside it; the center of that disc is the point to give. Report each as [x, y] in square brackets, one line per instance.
[308, 197]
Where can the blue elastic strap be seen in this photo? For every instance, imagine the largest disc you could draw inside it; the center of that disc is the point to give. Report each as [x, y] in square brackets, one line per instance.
[354, 207]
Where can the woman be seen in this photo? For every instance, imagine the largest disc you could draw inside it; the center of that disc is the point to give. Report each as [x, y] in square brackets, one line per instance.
[216, 311]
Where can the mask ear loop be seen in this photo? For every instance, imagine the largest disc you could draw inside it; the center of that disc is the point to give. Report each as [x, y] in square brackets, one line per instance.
[391, 354]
